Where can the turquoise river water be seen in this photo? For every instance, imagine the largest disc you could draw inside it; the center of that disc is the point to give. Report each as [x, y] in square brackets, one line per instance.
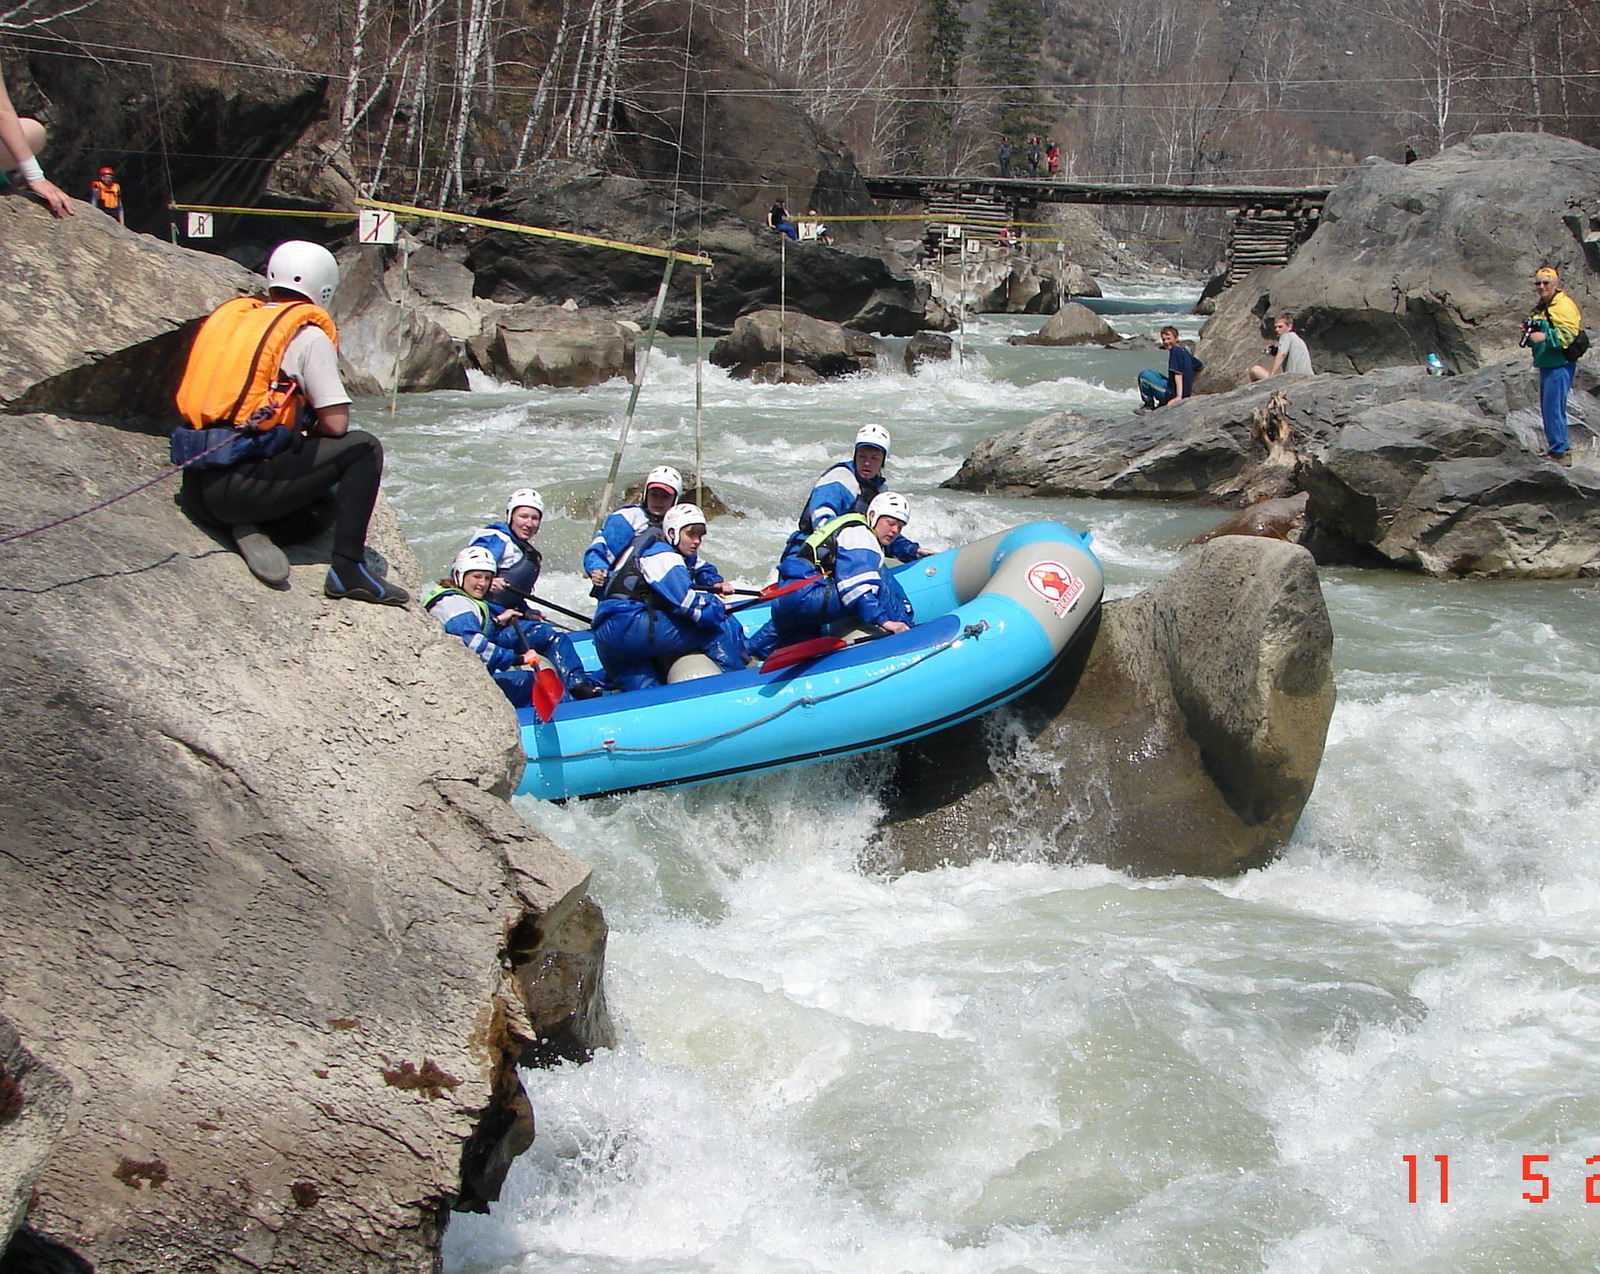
[1019, 1066]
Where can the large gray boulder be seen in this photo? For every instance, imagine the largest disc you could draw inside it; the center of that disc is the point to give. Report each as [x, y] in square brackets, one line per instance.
[98, 319]
[34, 1103]
[536, 344]
[1436, 256]
[1445, 475]
[404, 319]
[1072, 324]
[754, 266]
[268, 913]
[774, 337]
[1185, 739]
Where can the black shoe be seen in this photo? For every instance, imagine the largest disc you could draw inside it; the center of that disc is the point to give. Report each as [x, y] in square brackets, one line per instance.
[584, 690]
[367, 587]
[264, 558]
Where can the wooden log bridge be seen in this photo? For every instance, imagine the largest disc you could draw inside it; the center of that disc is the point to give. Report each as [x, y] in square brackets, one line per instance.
[1269, 222]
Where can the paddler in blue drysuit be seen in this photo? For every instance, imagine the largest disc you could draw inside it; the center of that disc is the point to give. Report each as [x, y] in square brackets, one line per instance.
[510, 597]
[460, 606]
[661, 602]
[849, 487]
[662, 487]
[847, 555]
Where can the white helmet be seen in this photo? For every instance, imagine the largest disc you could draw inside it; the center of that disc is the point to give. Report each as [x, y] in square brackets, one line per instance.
[890, 504]
[306, 268]
[665, 476]
[524, 498]
[472, 558]
[678, 517]
[873, 436]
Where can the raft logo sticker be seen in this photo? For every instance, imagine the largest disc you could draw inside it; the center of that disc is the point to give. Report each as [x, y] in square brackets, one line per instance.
[1057, 585]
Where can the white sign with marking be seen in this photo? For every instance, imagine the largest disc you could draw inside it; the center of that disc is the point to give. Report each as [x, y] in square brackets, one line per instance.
[377, 226]
[200, 225]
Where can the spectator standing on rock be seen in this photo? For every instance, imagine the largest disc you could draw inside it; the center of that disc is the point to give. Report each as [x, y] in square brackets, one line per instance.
[20, 141]
[262, 381]
[105, 193]
[1411, 154]
[1549, 330]
[1182, 367]
[1290, 357]
[1003, 154]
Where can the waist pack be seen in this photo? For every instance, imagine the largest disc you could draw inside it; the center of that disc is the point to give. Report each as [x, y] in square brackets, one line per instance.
[1578, 347]
[223, 446]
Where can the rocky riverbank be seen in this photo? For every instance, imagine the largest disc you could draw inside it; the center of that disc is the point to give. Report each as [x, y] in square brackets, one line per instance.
[275, 943]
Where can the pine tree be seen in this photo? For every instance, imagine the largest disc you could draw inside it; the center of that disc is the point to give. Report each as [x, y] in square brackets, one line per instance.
[944, 44]
[1008, 60]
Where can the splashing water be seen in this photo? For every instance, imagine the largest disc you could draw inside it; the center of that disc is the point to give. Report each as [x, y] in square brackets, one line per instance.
[1009, 1066]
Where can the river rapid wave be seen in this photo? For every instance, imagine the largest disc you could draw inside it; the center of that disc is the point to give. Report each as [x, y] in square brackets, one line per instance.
[1023, 1066]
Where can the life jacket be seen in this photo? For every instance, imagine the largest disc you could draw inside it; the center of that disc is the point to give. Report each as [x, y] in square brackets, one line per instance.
[439, 592]
[110, 193]
[522, 576]
[627, 576]
[233, 376]
[821, 547]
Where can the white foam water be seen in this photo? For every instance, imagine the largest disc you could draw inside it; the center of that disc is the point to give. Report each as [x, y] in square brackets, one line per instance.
[1009, 1066]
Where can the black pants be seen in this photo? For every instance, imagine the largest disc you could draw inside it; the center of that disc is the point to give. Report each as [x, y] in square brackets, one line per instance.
[265, 490]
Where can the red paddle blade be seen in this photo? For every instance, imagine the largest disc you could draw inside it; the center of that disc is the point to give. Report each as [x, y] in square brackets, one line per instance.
[547, 692]
[779, 589]
[786, 656]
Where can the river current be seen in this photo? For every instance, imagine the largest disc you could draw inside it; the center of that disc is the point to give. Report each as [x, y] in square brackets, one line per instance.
[1018, 1066]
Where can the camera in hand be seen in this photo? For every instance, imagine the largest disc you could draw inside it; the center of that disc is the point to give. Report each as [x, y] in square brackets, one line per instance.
[1528, 329]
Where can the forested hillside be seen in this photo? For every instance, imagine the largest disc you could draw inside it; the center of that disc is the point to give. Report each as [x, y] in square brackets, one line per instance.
[443, 100]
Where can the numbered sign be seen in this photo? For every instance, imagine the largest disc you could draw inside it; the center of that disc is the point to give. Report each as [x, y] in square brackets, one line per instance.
[377, 226]
[200, 225]
[952, 232]
[974, 248]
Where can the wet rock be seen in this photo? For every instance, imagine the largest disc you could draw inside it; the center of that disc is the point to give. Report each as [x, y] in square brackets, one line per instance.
[1185, 738]
[1283, 518]
[927, 347]
[770, 336]
[1072, 324]
[1436, 256]
[550, 345]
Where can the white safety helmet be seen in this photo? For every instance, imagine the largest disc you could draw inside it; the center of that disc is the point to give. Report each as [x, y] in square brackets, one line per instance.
[873, 436]
[524, 498]
[472, 558]
[890, 504]
[304, 268]
[665, 476]
[678, 517]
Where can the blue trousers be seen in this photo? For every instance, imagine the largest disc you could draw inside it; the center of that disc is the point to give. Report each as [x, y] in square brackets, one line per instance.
[1155, 388]
[631, 641]
[805, 613]
[1555, 383]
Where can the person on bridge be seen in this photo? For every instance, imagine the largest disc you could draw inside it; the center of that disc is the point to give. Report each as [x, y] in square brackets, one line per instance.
[1035, 154]
[1052, 159]
[1003, 154]
[1290, 357]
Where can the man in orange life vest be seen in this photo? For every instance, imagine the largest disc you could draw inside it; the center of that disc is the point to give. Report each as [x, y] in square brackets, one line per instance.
[105, 193]
[267, 428]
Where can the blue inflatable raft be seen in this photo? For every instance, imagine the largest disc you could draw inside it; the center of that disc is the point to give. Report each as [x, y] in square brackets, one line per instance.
[993, 618]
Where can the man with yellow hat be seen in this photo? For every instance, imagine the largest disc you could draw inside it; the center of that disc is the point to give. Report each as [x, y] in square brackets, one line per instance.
[1549, 331]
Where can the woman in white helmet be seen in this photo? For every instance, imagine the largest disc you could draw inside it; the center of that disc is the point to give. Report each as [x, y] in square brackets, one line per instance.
[846, 554]
[849, 487]
[516, 575]
[660, 602]
[270, 370]
[663, 486]
[458, 603]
